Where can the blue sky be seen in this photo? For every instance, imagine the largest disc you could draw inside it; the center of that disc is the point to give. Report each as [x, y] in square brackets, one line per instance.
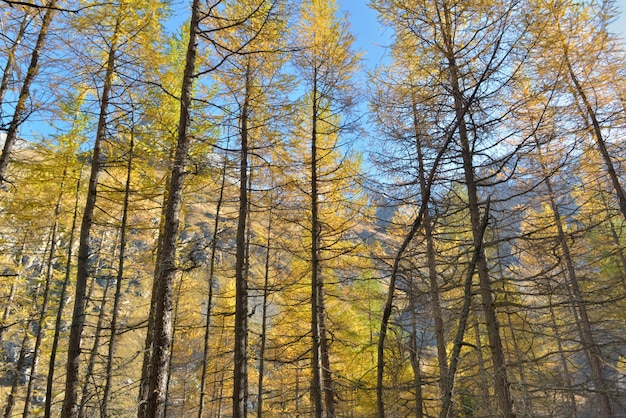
[620, 25]
[369, 34]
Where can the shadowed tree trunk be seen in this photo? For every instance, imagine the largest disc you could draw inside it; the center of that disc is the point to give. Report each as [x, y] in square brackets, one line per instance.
[211, 278]
[20, 368]
[70, 403]
[264, 306]
[501, 383]
[46, 300]
[62, 297]
[106, 396]
[240, 389]
[592, 349]
[158, 339]
[415, 349]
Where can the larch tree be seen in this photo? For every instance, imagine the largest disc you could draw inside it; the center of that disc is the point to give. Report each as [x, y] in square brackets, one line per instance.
[158, 339]
[327, 62]
[253, 78]
[118, 24]
[592, 39]
[468, 53]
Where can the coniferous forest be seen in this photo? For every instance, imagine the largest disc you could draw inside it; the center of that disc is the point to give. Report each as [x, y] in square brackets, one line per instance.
[216, 208]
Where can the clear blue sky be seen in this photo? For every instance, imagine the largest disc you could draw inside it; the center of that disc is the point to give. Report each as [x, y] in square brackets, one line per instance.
[620, 25]
[369, 34]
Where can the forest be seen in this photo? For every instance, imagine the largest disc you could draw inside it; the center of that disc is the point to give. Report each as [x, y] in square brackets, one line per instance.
[214, 208]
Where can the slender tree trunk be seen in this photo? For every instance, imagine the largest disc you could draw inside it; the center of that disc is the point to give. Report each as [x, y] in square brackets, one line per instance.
[526, 409]
[431, 254]
[9, 303]
[482, 370]
[62, 296]
[322, 388]
[618, 246]
[207, 324]
[70, 403]
[146, 367]
[93, 355]
[565, 373]
[586, 334]
[173, 348]
[414, 353]
[20, 107]
[8, 67]
[317, 384]
[263, 336]
[455, 356]
[502, 388]
[7, 308]
[106, 396]
[327, 379]
[600, 142]
[20, 369]
[218, 380]
[152, 405]
[240, 386]
[46, 300]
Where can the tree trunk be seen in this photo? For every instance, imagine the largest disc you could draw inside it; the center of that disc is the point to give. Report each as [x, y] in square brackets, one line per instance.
[207, 324]
[7, 308]
[501, 383]
[106, 396]
[327, 379]
[62, 296]
[8, 67]
[414, 352]
[240, 386]
[482, 370]
[565, 373]
[152, 403]
[46, 300]
[263, 335]
[20, 107]
[173, 347]
[578, 303]
[526, 409]
[317, 384]
[20, 369]
[431, 254]
[70, 403]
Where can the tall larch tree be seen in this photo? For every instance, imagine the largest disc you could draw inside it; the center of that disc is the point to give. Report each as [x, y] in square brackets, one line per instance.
[327, 62]
[467, 53]
[117, 24]
[251, 77]
[159, 336]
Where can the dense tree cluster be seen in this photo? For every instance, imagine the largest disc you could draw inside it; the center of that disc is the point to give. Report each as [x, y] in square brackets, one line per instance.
[226, 216]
